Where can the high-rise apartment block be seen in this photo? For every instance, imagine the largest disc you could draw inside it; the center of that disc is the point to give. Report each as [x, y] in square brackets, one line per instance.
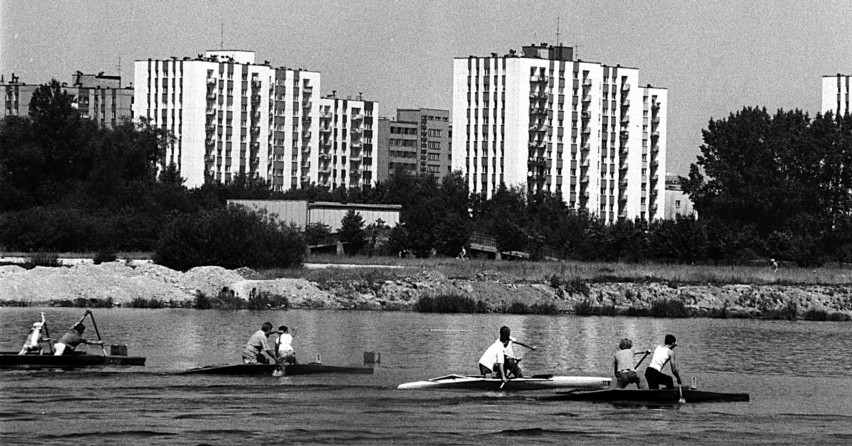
[417, 140]
[232, 116]
[548, 122]
[348, 139]
[835, 94]
[98, 97]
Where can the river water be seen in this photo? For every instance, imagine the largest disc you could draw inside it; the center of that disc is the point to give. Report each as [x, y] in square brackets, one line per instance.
[799, 376]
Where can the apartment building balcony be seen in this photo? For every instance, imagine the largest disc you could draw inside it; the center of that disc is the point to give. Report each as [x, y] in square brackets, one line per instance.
[211, 96]
[536, 111]
[625, 87]
[625, 103]
[655, 120]
[357, 131]
[586, 130]
[654, 178]
[355, 144]
[537, 161]
[355, 158]
[358, 117]
[210, 111]
[655, 164]
[306, 148]
[585, 147]
[308, 89]
[211, 81]
[623, 166]
[655, 134]
[655, 149]
[255, 83]
[625, 120]
[655, 107]
[326, 169]
[255, 130]
[538, 78]
[306, 133]
[538, 95]
[584, 179]
[587, 98]
[325, 129]
[325, 115]
[584, 164]
[307, 104]
[624, 134]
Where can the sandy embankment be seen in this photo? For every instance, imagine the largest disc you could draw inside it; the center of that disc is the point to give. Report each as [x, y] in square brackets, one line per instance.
[123, 283]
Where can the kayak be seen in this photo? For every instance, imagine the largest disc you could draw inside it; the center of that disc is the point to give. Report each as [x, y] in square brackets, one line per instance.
[268, 369]
[536, 382]
[12, 360]
[649, 396]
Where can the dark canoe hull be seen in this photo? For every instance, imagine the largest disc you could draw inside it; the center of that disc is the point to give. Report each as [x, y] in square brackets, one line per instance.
[660, 396]
[14, 361]
[268, 369]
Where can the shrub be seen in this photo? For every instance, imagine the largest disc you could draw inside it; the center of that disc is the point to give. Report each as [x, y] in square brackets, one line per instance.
[789, 312]
[141, 302]
[42, 259]
[231, 238]
[266, 300]
[450, 303]
[105, 255]
[578, 286]
[815, 315]
[668, 308]
[587, 308]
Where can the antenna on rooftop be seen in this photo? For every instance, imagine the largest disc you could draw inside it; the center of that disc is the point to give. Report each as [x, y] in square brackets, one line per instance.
[119, 71]
[222, 36]
[557, 31]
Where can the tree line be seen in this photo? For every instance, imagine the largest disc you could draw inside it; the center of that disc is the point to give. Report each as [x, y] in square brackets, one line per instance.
[764, 186]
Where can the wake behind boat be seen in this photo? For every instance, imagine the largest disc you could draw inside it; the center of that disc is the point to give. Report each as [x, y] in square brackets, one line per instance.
[536, 382]
[268, 369]
[651, 396]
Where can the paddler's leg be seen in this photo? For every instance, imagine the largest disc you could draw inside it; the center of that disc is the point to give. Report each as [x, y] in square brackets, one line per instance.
[484, 371]
[512, 367]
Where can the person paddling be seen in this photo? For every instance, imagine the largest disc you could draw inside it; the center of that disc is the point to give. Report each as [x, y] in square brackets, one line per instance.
[511, 361]
[33, 343]
[663, 354]
[71, 339]
[257, 345]
[625, 371]
[493, 359]
[284, 346]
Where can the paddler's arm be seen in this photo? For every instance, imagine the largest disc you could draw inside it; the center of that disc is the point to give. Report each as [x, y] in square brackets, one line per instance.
[615, 366]
[502, 371]
[522, 344]
[675, 370]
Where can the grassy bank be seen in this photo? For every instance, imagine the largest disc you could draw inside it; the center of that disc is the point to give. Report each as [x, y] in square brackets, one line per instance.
[545, 272]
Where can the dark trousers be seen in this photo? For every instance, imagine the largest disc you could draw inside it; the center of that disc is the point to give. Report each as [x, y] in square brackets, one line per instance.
[655, 378]
[512, 368]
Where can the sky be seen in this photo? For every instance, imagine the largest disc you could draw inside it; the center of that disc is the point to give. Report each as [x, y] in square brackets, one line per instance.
[713, 56]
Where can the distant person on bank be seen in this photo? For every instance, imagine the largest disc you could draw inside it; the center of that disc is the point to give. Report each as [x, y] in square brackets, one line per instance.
[257, 345]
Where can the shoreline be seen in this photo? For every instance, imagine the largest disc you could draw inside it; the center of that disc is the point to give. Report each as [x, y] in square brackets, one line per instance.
[128, 285]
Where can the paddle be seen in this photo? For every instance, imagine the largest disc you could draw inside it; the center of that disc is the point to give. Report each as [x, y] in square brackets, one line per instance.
[682, 400]
[47, 334]
[94, 324]
[517, 360]
[647, 352]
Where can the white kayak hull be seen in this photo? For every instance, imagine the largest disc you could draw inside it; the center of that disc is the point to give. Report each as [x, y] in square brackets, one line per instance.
[537, 382]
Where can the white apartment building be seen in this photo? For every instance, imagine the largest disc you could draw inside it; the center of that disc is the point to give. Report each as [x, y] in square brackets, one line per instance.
[543, 120]
[348, 139]
[835, 94]
[231, 116]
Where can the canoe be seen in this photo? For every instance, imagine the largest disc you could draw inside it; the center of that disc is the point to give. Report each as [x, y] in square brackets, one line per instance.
[536, 382]
[655, 396]
[267, 369]
[12, 360]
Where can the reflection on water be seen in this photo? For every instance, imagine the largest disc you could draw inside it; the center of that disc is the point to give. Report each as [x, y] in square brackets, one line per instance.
[175, 339]
[796, 372]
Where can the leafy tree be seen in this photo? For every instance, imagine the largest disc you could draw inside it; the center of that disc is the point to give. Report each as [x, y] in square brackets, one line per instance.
[232, 238]
[316, 233]
[351, 232]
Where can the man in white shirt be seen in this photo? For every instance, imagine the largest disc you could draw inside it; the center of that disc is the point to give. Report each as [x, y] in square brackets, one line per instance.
[494, 357]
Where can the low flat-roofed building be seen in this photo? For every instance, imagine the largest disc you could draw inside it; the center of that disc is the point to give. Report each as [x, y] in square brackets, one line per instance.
[302, 212]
